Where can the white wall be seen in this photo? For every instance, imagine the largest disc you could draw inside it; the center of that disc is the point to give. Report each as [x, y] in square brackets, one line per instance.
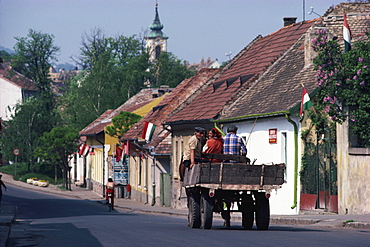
[259, 148]
[10, 94]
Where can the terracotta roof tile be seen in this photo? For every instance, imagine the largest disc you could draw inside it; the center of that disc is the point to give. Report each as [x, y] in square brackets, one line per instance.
[252, 61]
[159, 114]
[16, 78]
[97, 125]
[140, 99]
[279, 88]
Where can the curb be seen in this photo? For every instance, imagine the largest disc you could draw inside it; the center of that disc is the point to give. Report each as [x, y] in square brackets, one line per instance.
[356, 225]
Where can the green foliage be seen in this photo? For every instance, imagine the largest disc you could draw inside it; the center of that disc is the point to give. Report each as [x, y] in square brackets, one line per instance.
[169, 70]
[344, 80]
[115, 70]
[24, 128]
[56, 145]
[34, 116]
[122, 123]
[5, 56]
[308, 172]
[33, 57]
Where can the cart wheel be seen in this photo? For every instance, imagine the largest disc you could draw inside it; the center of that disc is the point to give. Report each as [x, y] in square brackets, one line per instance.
[194, 209]
[206, 210]
[248, 212]
[262, 211]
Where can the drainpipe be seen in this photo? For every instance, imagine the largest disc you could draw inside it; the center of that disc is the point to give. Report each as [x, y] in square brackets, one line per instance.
[96, 138]
[295, 159]
[146, 170]
[153, 181]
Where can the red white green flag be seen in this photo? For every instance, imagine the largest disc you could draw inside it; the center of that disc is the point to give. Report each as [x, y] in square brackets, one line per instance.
[305, 103]
[148, 131]
[84, 150]
[346, 34]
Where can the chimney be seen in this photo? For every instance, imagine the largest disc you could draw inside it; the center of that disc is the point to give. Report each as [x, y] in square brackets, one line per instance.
[289, 21]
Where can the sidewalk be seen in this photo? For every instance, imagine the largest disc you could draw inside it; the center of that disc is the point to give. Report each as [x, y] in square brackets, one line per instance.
[321, 219]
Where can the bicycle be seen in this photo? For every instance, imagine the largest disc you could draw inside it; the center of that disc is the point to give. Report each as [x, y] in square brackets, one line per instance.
[110, 204]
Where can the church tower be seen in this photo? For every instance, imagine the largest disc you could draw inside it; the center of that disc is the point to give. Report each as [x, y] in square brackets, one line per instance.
[156, 41]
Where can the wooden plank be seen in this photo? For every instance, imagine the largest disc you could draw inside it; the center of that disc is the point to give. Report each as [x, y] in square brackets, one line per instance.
[239, 174]
[237, 158]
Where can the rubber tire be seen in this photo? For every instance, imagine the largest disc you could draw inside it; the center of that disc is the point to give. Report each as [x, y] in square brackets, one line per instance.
[206, 211]
[194, 209]
[247, 208]
[248, 217]
[262, 212]
[109, 204]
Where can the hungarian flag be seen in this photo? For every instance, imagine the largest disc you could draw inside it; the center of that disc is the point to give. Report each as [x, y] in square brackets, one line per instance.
[148, 131]
[305, 103]
[127, 147]
[84, 149]
[346, 34]
[119, 152]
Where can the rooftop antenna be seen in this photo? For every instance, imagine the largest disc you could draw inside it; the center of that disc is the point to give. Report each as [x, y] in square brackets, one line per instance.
[228, 54]
[304, 10]
[313, 12]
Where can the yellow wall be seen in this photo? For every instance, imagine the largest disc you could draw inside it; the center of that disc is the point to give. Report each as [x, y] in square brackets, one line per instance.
[142, 111]
[353, 176]
[97, 165]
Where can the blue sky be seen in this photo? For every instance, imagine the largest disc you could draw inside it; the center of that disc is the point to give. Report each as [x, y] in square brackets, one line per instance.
[196, 28]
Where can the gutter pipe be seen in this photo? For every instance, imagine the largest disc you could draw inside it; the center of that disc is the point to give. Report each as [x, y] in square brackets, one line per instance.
[295, 159]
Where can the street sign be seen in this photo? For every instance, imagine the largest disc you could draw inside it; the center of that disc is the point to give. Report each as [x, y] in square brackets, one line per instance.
[16, 151]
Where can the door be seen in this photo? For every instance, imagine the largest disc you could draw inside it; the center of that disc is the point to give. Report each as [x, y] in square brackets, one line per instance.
[166, 189]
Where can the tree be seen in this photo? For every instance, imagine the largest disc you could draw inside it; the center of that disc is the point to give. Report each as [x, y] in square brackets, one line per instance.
[122, 123]
[56, 146]
[169, 70]
[344, 81]
[23, 130]
[37, 115]
[115, 70]
[33, 57]
[5, 56]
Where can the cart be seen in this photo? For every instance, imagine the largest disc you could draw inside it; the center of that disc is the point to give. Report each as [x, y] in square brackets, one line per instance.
[214, 187]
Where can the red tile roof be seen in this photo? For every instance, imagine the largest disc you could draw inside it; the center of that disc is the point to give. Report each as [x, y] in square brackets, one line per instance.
[159, 114]
[16, 78]
[140, 99]
[97, 125]
[277, 90]
[280, 88]
[245, 68]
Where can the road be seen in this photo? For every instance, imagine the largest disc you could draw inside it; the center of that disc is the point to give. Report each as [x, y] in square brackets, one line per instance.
[51, 220]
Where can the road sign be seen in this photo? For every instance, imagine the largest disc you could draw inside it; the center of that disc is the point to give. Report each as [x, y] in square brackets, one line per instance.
[16, 151]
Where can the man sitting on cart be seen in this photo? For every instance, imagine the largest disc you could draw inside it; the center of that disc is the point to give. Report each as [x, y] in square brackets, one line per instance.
[233, 144]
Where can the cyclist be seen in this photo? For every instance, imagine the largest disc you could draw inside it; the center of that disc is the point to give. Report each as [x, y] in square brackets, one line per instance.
[110, 190]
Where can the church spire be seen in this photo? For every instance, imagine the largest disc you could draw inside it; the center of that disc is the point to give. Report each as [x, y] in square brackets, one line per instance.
[156, 40]
[156, 26]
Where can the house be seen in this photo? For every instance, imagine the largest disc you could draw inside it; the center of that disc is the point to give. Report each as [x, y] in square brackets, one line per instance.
[267, 116]
[150, 160]
[14, 88]
[273, 124]
[353, 176]
[93, 168]
[237, 77]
